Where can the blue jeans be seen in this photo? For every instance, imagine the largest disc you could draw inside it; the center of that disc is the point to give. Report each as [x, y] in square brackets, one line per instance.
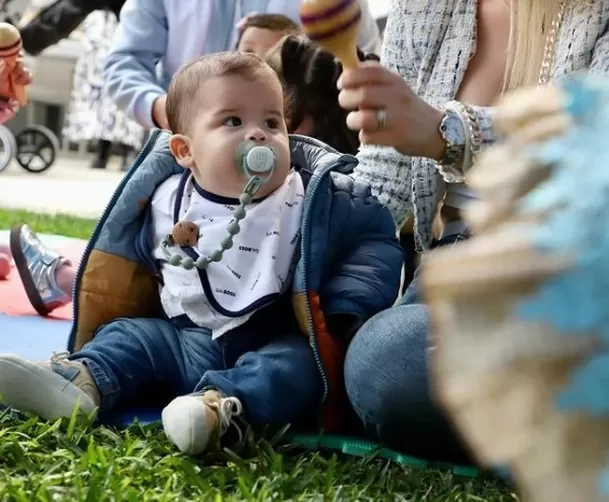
[274, 376]
[386, 378]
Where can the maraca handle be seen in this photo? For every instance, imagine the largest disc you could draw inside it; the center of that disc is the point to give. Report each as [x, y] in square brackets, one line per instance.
[348, 58]
[344, 48]
[333, 25]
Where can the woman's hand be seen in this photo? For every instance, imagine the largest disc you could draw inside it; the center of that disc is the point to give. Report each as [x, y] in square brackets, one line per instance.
[411, 125]
[159, 112]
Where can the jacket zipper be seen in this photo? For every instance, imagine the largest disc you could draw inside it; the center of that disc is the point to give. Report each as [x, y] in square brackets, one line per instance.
[88, 248]
[313, 185]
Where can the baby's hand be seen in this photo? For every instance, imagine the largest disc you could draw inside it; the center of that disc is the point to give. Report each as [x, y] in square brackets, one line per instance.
[21, 74]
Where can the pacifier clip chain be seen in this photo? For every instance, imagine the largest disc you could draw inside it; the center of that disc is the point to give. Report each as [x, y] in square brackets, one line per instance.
[183, 229]
[258, 163]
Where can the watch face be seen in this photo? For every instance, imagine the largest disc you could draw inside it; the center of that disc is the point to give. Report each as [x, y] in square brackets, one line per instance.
[452, 129]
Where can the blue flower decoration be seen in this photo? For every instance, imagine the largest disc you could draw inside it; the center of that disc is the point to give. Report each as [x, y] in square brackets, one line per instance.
[576, 198]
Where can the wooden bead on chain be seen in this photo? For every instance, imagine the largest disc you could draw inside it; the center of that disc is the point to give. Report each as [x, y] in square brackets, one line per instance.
[186, 233]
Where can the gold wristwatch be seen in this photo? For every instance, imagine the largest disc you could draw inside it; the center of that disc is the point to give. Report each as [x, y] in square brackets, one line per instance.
[455, 137]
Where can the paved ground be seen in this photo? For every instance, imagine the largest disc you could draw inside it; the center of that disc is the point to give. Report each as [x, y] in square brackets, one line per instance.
[70, 186]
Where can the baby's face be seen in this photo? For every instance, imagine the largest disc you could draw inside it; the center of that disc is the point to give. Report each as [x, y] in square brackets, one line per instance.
[234, 109]
[259, 40]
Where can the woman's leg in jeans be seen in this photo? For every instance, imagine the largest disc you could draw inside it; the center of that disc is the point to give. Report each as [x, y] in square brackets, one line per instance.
[386, 376]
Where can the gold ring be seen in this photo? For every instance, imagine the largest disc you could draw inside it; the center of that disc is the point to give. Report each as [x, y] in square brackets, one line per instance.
[381, 117]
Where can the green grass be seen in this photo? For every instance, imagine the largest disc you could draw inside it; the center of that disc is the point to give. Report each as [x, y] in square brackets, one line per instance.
[42, 461]
[58, 224]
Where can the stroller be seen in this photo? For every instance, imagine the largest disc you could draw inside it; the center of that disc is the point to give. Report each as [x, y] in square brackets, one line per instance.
[34, 147]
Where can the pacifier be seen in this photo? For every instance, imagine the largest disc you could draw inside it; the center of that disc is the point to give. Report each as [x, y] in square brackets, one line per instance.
[256, 161]
[258, 164]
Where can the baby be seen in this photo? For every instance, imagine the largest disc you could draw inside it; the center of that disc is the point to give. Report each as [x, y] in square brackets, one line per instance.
[259, 32]
[225, 235]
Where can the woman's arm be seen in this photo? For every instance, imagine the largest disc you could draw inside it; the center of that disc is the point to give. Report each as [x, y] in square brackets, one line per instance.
[598, 65]
[484, 117]
[130, 68]
[55, 22]
[385, 169]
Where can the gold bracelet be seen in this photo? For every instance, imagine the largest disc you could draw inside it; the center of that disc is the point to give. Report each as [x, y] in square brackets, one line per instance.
[475, 132]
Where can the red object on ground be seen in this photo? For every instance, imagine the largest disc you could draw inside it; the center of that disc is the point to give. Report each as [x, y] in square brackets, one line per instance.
[5, 266]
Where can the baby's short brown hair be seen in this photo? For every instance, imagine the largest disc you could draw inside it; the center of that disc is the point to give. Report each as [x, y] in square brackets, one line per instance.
[188, 81]
[272, 22]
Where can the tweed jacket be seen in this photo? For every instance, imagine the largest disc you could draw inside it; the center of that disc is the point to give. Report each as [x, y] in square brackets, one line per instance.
[429, 43]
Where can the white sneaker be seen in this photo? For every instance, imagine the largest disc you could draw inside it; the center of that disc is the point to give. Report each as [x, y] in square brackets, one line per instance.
[35, 388]
[193, 422]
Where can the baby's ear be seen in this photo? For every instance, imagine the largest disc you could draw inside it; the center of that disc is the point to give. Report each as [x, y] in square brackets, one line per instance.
[179, 145]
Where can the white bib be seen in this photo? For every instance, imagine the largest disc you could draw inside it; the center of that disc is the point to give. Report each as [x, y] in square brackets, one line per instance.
[250, 275]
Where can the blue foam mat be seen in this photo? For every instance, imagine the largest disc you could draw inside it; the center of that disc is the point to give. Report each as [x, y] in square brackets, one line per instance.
[36, 338]
[33, 337]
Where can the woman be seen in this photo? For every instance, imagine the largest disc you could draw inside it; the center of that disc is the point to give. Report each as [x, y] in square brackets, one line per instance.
[446, 63]
[92, 115]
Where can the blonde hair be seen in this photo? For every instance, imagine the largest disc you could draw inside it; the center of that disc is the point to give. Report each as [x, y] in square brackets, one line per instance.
[530, 23]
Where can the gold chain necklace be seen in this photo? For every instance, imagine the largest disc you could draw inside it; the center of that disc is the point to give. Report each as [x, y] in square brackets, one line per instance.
[549, 50]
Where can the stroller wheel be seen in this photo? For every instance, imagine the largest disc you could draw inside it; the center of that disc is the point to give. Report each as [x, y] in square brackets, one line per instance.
[37, 148]
[8, 147]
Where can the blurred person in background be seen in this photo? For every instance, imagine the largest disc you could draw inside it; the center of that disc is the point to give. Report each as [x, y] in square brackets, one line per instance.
[260, 32]
[309, 75]
[47, 22]
[155, 37]
[92, 115]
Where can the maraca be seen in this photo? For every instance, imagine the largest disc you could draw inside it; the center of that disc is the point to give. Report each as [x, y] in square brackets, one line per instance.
[10, 49]
[333, 25]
